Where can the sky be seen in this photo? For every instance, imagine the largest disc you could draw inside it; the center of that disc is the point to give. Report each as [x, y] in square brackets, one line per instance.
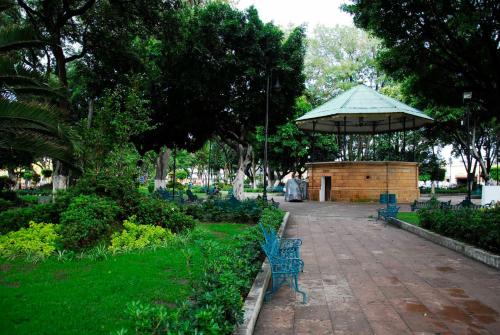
[297, 12]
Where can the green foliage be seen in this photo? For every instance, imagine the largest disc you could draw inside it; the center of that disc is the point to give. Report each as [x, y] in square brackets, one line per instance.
[495, 173]
[6, 183]
[87, 219]
[157, 212]
[37, 241]
[135, 236]
[5, 204]
[29, 199]
[439, 190]
[215, 306]
[116, 178]
[122, 114]
[431, 168]
[438, 57]
[477, 227]
[337, 58]
[218, 210]
[16, 218]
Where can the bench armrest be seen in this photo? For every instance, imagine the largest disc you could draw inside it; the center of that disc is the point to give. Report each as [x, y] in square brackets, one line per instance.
[290, 242]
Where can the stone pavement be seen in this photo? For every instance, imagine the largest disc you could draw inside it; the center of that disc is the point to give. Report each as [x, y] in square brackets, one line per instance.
[364, 277]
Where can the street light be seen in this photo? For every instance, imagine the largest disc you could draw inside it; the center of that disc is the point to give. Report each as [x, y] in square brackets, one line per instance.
[266, 127]
[467, 98]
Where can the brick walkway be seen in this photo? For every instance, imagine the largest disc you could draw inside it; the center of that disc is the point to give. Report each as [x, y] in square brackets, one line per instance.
[363, 277]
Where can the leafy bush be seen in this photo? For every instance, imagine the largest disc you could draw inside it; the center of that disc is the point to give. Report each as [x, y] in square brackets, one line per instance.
[216, 304]
[477, 227]
[29, 199]
[218, 210]
[37, 241]
[15, 218]
[135, 236]
[6, 204]
[6, 183]
[152, 211]
[44, 190]
[87, 219]
[451, 190]
[198, 189]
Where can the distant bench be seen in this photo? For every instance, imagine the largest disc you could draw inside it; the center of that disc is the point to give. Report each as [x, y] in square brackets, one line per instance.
[391, 211]
[416, 205]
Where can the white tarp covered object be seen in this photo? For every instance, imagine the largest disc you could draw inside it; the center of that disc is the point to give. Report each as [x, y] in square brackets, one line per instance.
[295, 190]
[490, 193]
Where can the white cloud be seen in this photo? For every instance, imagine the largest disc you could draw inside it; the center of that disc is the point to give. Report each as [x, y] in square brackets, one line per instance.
[296, 12]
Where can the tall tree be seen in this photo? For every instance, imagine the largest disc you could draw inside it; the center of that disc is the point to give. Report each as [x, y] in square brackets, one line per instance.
[338, 58]
[246, 54]
[30, 127]
[441, 49]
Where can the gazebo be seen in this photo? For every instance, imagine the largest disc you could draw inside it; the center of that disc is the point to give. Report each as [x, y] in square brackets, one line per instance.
[362, 110]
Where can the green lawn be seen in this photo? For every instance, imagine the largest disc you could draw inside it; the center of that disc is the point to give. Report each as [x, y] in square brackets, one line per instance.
[89, 297]
[410, 217]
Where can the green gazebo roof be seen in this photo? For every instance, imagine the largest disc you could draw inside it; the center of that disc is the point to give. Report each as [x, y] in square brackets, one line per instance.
[362, 110]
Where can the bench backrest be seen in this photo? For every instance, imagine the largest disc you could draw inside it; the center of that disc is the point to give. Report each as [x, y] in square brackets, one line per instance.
[392, 210]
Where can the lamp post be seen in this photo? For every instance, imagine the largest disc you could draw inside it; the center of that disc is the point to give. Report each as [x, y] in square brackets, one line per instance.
[450, 161]
[266, 128]
[467, 97]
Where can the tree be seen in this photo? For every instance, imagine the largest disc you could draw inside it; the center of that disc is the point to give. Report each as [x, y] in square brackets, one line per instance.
[30, 127]
[245, 53]
[290, 148]
[446, 47]
[338, 58]
[440, 50]
[432, 169]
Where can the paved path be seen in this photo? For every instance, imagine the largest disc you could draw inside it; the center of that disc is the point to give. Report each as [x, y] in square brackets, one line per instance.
[363, 277]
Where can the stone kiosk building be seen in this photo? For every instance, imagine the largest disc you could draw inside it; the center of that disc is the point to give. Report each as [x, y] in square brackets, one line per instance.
[362, 110]
[362, 181]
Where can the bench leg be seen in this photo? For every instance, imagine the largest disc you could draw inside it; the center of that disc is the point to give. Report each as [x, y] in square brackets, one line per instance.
[296, 288]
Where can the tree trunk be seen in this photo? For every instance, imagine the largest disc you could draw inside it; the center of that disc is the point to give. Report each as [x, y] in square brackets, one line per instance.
[244, 156]
[254, 172]
[433, 188]
[60, 177]
[162, 168]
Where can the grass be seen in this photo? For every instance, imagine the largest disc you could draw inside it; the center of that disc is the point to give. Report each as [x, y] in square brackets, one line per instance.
[410, 217]
[89, 297]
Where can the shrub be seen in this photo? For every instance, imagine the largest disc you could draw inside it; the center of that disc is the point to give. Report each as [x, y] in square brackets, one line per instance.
[217, 210]
[6, 183]
[47, 173]
[15, 218]
[152, 211]
[135, 236]
[37, 241]
[29, 199]
[5, 204]
[198, 189]
[476, 227]
[87, 219]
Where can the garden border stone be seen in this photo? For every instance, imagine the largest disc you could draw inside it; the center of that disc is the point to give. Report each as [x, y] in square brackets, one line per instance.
[255, 297]
[460, 247]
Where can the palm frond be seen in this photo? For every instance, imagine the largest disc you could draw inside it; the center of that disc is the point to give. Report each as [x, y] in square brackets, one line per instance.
[17, 37]
[36, 129]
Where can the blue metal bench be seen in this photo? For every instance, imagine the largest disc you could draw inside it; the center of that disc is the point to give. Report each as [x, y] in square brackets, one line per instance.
[288, 247]
[385, 213]
[191, 196]
[284, 269]
[416, 205]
